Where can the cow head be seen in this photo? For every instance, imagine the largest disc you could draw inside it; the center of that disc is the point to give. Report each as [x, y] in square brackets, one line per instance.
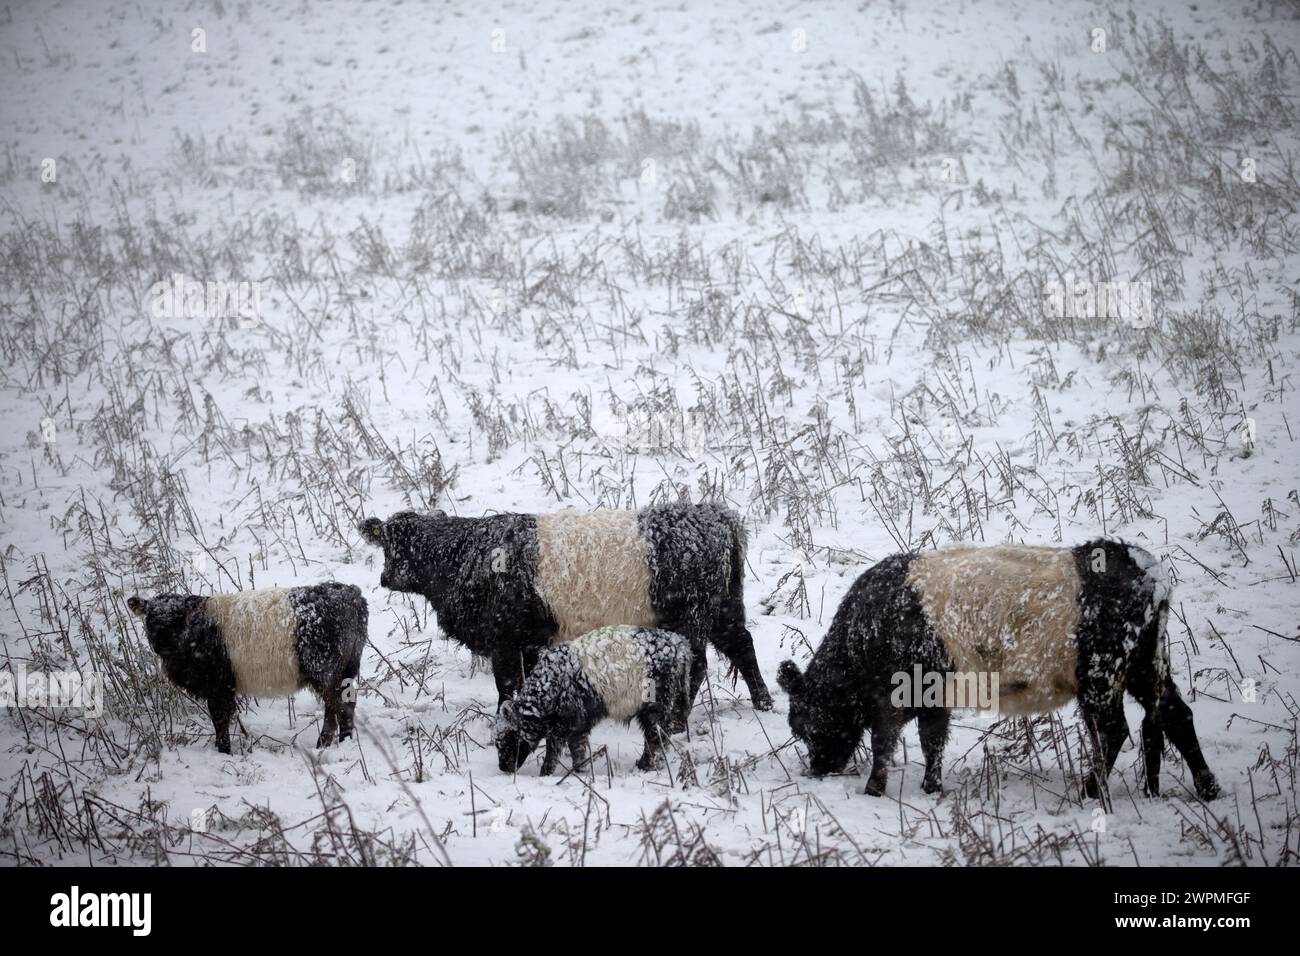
[829, 724]
[404, 538]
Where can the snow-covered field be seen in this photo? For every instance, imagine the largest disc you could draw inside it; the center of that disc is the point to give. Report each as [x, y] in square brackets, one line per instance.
[792, 256]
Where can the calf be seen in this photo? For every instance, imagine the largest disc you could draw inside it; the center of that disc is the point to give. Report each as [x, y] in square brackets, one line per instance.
[613, 672]
[1053, 624]
[268, 643]
[507, 585]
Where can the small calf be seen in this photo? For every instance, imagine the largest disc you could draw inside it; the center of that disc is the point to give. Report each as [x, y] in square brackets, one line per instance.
[267, 643]
[613, 672]
[1054, 624]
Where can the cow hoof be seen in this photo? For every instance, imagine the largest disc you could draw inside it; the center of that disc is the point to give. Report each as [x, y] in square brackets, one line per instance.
[762, 700]
[874, 788]
[932, 786]
[1207, 788]
[1091, 789]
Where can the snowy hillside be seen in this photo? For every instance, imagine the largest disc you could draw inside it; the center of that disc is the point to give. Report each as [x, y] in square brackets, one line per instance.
[880, 276]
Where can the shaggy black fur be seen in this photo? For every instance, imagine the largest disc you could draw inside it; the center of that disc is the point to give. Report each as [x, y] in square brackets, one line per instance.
[330, 635]
[697, 571]
[880, 629]
[559, 705]
[479, 574]
[1121, 637]
[333, 625]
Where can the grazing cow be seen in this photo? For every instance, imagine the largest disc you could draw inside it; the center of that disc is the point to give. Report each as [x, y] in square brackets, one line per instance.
[507, 585]
[612, 672]
[268, 643]
[1053, 624]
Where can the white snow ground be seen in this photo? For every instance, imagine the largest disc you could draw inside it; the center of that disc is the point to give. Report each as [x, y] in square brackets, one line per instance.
[791, 255]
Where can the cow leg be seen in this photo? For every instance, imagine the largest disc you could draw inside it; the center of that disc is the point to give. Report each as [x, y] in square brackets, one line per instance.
[933, 725]
[885, 728]
[348, 690]
[332, 677]
[1110, 730]
[1146, 687]
[552, 756]
[221, 707]
[733, 640]
[330, 722]
[508, 663]
[1153, 746]
[698, 670]
[338, 695]
[1101, 704]
[1176, 719]
[579, 746]
[651, 719]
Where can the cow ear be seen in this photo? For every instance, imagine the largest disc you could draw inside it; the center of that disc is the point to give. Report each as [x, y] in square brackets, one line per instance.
[372, 530]
[136, 604]
[788, 676]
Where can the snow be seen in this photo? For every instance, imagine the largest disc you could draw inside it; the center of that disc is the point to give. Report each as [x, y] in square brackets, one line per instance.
[567, 256]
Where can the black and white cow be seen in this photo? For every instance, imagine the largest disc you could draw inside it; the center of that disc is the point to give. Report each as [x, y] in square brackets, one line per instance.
[507, 585]
[1053, 624]
[614, 673]
[267, 643]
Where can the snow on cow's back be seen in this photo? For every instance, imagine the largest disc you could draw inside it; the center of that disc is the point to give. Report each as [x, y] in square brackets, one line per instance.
[1155, 571]
[592, 571]
[1012, 610]
[259, 629]
[613, 660]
